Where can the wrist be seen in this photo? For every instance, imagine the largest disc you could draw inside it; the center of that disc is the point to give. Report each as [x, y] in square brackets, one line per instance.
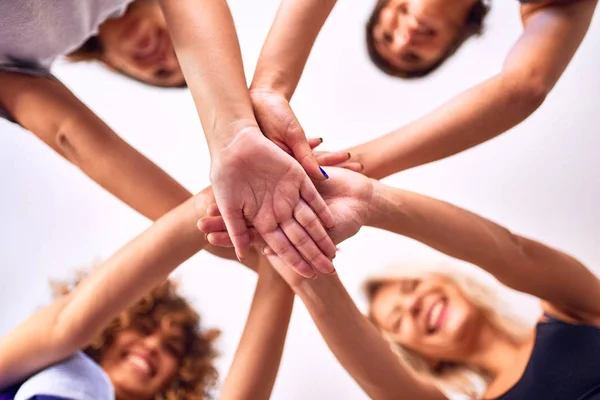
[224, 131]
[387, 205]
[272, 83]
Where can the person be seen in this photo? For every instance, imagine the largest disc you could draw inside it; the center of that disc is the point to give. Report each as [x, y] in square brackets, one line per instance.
[427, 31]
[136, 43]
[124, 332]
[438, 334]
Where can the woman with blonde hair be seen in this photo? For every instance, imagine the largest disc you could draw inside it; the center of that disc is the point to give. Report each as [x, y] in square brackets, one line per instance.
[457, 337]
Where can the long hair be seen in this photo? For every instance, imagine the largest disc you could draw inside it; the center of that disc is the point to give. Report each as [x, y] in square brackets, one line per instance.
[197, 375]
[456, 381]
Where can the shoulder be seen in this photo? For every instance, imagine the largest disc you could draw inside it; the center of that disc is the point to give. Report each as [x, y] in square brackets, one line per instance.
[77, 378]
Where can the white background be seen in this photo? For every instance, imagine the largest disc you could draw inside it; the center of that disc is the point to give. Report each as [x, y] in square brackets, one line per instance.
[541, 179]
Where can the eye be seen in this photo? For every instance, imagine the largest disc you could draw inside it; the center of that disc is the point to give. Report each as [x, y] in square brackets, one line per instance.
[388, 38]
[175, 349]
[397, 323]
[403, 8]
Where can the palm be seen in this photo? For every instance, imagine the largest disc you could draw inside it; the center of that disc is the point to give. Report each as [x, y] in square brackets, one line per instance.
[253, 178]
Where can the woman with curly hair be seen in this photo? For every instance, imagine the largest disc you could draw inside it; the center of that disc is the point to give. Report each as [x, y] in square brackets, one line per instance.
[124, 332]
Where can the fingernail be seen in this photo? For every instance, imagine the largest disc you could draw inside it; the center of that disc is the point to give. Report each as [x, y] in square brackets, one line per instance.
[324, 173]
[320, 140]
[349, 155]
[238, 256]
[362, 167]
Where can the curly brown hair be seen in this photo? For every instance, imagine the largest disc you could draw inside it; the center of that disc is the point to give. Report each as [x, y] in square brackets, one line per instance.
[163, 306]
[473, 27]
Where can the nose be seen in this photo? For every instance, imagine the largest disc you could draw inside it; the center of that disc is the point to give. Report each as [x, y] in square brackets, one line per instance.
[152, 343]
[411, 304]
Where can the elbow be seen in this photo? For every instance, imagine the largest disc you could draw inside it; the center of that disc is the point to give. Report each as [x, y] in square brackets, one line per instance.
[527, 90]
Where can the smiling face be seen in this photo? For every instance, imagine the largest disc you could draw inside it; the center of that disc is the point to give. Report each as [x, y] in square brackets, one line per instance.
[410, 38]
[142, 362]
[429, 316]
[138, 44]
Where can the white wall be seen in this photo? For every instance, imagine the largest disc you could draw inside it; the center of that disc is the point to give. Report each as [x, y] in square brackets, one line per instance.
[541, 179]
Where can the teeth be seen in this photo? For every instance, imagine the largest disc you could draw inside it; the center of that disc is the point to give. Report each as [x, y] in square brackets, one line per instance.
[140, 363]
[434, 316]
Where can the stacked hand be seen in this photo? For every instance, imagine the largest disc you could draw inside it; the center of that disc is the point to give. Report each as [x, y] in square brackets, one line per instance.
[347, 194]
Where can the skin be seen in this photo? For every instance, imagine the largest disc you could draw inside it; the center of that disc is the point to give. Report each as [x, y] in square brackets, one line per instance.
[125, 359]
[139, 45]
[415, 34]
[74, 320]
[254, 181]
[566, 288]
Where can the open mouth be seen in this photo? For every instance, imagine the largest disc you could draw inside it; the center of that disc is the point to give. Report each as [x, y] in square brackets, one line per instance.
[434, 319]
[141, 364]
[152, 47]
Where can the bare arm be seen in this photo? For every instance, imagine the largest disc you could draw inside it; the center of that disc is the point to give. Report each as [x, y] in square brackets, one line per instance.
[254, 368]
[288, 45]
[49, 110]
[71, 322]
[552, 35]
[521, 263]
[207, 47]
[357, 344]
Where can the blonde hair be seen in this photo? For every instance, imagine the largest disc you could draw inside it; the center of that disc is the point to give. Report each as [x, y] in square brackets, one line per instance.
[456, 381]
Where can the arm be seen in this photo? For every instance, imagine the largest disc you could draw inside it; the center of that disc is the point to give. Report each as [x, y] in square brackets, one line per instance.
[253, 180]
[551, 37]
[357, 344]
[72, 321]
[49, 110]
[565, 284]
[288, 45]
[254, 368]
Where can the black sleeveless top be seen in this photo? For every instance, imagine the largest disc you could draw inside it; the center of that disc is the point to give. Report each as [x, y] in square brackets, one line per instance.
[564, 365]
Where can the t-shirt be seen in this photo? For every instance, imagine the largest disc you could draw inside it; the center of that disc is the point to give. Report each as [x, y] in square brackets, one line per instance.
[34, 33]
[77, 378]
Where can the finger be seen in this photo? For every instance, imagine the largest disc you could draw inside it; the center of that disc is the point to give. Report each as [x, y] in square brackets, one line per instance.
[211, 224]
[332, 159]
[238, 232]
[313, 227]
[213, 210]
[316, 203]
[284, 249]
[296, 141]
[222, 239]
[314, 142]
[306, 246]
[353, 166]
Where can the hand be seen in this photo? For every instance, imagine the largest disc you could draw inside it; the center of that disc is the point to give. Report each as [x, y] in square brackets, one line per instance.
[256, 183]
[278, 122]
[347, 194]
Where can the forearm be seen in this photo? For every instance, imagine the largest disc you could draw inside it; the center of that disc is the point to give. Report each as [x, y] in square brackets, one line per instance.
[518, 262]
[357, 344]
[73, 321]
[552, 35]
[288, 45]
[254, 368]
[473, 117]
[207, 47]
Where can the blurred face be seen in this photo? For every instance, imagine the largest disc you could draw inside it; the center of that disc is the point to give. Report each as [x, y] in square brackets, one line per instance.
[414, 34]
[139, 45]
[142, 363]
[429, 316]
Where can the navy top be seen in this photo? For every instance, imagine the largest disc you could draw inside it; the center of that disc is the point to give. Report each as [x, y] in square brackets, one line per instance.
[564, 365]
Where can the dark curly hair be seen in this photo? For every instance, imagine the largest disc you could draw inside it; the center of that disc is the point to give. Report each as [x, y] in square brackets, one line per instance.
[163, 306]
[473, 27]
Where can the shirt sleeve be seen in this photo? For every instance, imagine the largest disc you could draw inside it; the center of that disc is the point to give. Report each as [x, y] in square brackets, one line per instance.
[78, 378]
